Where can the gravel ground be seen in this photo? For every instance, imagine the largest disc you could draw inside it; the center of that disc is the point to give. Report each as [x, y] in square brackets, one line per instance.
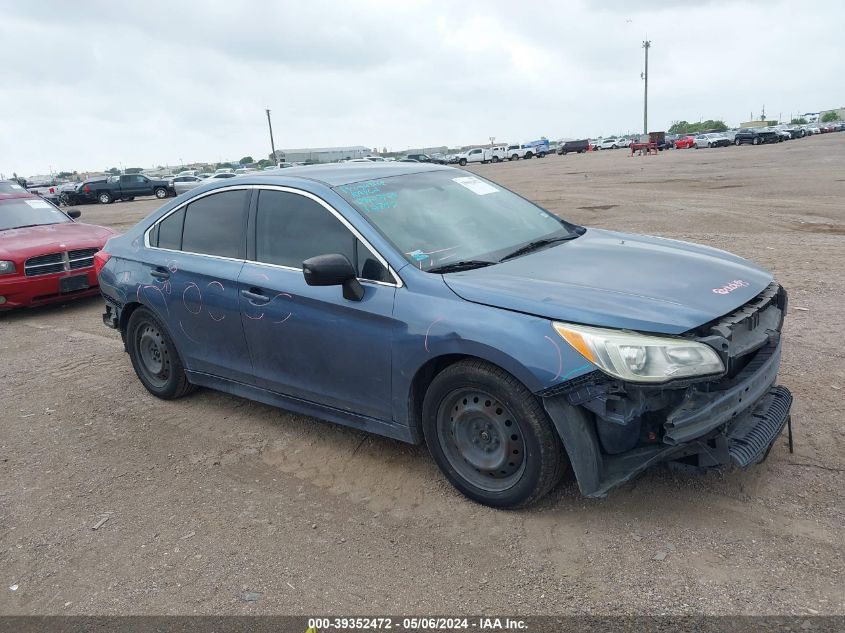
[213, 504]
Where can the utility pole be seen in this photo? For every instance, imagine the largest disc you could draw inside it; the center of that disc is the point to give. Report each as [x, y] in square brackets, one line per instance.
[492, 140]
[646, 46]
[272, 143]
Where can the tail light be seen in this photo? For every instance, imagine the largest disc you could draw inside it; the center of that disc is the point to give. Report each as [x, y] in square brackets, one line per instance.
[87, 188]
[100, 259]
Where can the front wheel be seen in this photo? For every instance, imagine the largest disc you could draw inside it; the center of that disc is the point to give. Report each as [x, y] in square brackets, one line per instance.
[514, 157]
[462, 162]
[490, 436]
[154, 356]
[756, 141]
[160, 193]
[737, 142]
[104, 198]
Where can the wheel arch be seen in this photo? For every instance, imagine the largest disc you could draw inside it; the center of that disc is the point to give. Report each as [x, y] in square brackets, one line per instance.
[425, 374]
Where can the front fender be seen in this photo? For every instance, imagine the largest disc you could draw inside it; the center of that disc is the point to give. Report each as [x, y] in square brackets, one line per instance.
[440, 323]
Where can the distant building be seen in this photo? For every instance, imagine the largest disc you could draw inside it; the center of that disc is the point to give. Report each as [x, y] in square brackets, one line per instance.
[840, 114]
[758, 123]
[322, 154]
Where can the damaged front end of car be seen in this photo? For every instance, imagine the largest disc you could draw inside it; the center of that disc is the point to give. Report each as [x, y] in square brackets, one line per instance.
[613, 429]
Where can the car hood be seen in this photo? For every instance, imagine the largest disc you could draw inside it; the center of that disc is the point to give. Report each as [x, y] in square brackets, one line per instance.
[17, 244]
[618, 280]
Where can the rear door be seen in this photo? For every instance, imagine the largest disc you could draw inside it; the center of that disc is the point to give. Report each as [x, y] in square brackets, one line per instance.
[309, 342]
[195, 257]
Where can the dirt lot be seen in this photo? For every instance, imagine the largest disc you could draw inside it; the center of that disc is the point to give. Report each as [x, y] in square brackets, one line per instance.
[219, 505]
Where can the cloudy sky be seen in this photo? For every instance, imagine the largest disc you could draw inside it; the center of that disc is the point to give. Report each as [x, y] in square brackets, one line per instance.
[91, 85]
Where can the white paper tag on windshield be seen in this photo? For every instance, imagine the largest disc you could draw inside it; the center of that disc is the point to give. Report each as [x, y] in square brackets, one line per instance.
[38, 204]
[475, 185]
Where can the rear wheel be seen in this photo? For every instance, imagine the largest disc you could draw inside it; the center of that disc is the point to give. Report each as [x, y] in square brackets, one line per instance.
[154, 356]
[756, 140]
[514, 157]
[495, 159]
[490, 436]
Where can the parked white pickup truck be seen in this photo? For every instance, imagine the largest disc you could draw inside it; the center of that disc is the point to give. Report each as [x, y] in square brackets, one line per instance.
[515, 152]
[482, 155]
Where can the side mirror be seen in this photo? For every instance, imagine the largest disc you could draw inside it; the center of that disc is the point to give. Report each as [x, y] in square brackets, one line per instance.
[333, 270]
[74, 213]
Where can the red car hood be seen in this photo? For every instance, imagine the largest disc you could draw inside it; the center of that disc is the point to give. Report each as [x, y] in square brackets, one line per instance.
[19, 244]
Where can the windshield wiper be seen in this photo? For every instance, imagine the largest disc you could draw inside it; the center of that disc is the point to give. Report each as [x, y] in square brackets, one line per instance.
[23, 226]
[536, 244]
[467, 264]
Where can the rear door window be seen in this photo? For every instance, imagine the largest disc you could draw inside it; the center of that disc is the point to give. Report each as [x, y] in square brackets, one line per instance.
[216, 224]
[168, 233]
[213, 225]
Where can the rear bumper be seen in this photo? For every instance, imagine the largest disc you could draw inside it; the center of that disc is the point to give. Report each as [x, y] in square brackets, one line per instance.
[734, 423]
[27, 292]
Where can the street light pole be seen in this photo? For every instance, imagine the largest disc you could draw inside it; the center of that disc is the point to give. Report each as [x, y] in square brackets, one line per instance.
[272, 144]
[646, 46]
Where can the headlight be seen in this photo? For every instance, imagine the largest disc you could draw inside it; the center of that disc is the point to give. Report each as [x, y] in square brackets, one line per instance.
[7, 268]
[641, 358]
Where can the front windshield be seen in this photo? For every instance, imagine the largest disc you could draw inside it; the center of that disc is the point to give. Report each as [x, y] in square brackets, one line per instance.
[443, 217]
[10, 187]
[27, 212]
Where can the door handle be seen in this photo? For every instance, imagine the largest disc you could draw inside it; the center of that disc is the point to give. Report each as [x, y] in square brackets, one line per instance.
[160, 273]
[254, 295]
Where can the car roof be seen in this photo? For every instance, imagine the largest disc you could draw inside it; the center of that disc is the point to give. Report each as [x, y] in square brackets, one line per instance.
[345, 173]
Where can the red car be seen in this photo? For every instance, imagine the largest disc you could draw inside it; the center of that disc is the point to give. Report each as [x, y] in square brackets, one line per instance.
[45, 256]
[685, 142]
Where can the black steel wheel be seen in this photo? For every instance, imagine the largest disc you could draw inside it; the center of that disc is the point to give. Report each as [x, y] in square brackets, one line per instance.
[154, 356]
[481, 439]
[490, 436]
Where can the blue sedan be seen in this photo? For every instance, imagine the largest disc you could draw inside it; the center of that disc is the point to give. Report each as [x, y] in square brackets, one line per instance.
[426, 303]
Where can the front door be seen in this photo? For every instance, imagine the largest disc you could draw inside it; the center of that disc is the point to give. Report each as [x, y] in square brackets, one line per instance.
[309, 342]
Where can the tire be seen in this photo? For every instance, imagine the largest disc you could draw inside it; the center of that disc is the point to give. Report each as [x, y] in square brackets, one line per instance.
[709, 145]
[506, 453]
[614, 147]
[154, 356]
[514, 157]
[462, 162]
[495, 159]
[160, 193]
[541, 155]
[756, 140]
[528, 155]
[737, 142]
[104, 198]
